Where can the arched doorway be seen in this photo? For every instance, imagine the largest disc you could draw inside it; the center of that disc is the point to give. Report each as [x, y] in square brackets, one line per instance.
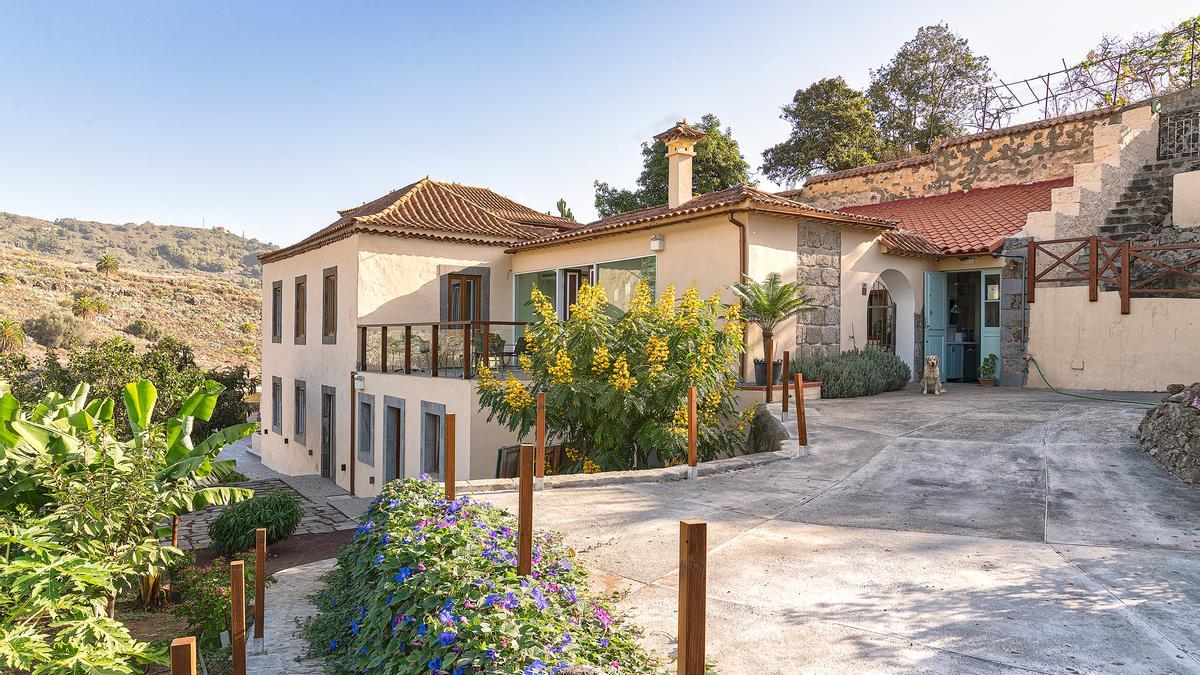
[891, 309]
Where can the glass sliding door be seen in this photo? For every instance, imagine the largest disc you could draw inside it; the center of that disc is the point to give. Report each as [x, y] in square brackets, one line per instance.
[619, 279]
[545, 281]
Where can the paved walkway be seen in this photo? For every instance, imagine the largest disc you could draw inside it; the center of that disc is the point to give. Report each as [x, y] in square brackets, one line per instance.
[326, 507]
[287, 602]
[983, 531]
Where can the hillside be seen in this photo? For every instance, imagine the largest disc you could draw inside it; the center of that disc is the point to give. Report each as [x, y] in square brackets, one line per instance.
[219, 318]
[212, 253]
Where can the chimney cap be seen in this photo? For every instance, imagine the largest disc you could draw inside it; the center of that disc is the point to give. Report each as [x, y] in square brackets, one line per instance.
[681, 131]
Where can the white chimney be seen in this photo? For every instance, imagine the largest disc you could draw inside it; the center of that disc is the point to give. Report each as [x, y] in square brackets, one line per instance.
[679, 139]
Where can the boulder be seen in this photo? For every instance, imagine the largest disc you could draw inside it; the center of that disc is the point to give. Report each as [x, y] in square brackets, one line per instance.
[1170, 433]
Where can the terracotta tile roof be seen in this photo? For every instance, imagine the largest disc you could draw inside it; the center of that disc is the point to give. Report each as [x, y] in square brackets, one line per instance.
[907, 242]
[972, 221]
[462, 212]
[728, 197]
[681, 130]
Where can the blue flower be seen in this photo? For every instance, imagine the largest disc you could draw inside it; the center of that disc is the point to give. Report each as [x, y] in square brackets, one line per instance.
[364, 649]
[458, 671]
[422, 630]
[354, 627]
[491, 654]
[446, 638]
[426, 477]
[332, 644]
[491, 599]
[446, 618]
[603, 642]
[435, 664]
[404, 573]
[534, 668]
[379, 559]
[538, 599]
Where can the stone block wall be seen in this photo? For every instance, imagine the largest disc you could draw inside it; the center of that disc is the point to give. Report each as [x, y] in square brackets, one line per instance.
[1026, 153]
[1014, 315]
[819, 265]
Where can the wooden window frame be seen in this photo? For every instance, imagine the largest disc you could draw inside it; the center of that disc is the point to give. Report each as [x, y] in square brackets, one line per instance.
[300, 411]
[329, 305]
[277, 311]
[462, 300]
[300, 310]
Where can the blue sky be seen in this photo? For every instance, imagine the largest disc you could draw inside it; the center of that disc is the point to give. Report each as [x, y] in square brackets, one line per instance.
[267, 117]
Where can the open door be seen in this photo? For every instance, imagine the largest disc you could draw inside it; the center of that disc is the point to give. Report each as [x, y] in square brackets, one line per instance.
[936, 317]
[989, 333]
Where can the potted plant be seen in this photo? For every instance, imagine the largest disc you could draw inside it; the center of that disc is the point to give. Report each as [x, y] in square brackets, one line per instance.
[767, 304]
[987, 371]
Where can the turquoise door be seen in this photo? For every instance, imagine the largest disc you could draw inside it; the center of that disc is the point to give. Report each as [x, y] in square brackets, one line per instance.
[937, 307]
[989, 331]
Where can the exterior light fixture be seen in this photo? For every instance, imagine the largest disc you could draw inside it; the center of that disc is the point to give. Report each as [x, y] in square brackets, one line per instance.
[657, 243]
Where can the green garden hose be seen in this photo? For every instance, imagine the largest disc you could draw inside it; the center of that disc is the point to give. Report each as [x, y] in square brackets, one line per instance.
[1029, 357]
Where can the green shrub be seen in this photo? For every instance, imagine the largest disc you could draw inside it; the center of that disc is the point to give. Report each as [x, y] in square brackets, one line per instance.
[233, 529]
[428, 585]
[205, 596]
[234, 476]
[854, 373]
[145, 329]
[56, 330]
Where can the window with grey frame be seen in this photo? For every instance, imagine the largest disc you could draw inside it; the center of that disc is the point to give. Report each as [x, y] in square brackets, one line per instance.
[277, 311]
[433, 441]
[329, 287]
[300, 331]
[300, 414]
[366, 429]
[277, 405]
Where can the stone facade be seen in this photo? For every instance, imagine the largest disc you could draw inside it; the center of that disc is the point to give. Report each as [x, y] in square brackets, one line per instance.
[1025, 153]
[1014, 315]
[819, 266]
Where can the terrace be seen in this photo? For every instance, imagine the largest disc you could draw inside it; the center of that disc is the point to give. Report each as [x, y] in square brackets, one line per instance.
[446, 349]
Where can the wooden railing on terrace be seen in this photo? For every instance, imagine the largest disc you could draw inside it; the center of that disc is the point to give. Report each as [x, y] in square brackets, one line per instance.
[1164, 270]
[441, 348]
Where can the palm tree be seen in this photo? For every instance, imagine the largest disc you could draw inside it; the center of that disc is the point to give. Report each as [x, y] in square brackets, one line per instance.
[770, 303]
[12, 337]
[107, 265]
[85, 306]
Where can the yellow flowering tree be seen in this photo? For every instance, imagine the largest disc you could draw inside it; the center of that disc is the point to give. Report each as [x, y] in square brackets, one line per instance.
[616, 387]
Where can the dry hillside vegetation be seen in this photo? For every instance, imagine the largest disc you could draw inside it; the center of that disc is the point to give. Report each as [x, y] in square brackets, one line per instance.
[218, 318]
[214, 253]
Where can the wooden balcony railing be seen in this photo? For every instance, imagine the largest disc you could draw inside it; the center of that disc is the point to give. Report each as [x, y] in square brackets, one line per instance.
[1166, 270]
[441, 348]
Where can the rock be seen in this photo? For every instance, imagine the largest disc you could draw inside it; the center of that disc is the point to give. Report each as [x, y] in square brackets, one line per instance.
[1175, 388]
[1170, 433]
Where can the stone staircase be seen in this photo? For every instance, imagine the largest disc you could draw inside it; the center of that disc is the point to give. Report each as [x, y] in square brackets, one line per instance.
[1144, 209]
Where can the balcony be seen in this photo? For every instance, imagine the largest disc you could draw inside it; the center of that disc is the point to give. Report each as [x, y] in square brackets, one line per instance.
[452, 349]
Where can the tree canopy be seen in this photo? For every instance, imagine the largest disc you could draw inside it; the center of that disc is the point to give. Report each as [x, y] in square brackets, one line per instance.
[718, 165]
[930, 90]
[833, 128]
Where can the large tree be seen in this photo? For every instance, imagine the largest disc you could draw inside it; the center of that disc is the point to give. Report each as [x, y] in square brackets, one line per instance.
[718, 165]
[833, 128]
[930, 90]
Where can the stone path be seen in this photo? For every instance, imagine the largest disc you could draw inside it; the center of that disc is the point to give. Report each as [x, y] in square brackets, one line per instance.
[325, 506]
[287, 602]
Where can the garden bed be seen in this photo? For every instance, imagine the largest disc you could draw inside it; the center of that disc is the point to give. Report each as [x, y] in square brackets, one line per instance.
[295, 550]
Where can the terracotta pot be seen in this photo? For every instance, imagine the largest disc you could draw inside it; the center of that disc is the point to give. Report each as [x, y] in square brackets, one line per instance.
[984, 382]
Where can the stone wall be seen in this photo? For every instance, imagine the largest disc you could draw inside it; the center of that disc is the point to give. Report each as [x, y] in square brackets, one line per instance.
[1026, 153]
[1014, 315]
[819, 264]
[1170, 432]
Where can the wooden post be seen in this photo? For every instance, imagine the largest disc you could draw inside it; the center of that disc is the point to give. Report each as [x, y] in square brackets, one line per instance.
[260, 583]
[362, 348]
[693, 564]
[801, 423]
[770, 368]
[1030, 270]
[448, 468]
[786, 379]
[183, 656]
[525, 512]
[486, 348]
[466, 356]
[692, 433]
[1094, 271]
[237, 628]
[383, 365]
[175, 531]
[539, 438]
[1125, 262]
[407, 350]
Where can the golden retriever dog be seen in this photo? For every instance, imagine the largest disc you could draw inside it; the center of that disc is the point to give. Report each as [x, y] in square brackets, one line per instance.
[931, 379]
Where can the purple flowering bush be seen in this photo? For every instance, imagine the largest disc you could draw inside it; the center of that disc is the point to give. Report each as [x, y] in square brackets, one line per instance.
[431, 586]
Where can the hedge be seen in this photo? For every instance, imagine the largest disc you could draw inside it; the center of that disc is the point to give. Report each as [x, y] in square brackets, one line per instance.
[855, 372]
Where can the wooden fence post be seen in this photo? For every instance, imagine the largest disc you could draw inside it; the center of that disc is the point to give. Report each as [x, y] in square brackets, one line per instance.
[525, 512]
[801, 423]
[692, 433]
[183, 656]
[770, 368]
[1126, 259]
[1094, 270]
[237, 627]
[448, 464]
[260, 586]
[786, 379]
[539, 438]
[693, 564]
[175, 531]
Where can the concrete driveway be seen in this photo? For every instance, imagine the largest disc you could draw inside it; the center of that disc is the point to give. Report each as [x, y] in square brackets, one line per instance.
[982, 531]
